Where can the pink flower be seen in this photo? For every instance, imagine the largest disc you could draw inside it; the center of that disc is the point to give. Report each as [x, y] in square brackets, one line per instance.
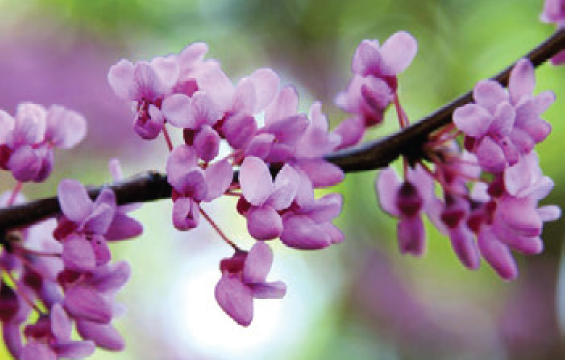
[406, 201]
[244, 279]
[266, 198]
[502, 124]
[375, 70]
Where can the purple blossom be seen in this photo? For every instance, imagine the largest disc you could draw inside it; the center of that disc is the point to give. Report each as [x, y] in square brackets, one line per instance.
[375, 70]
[191, 184]
[26, 140]
[406, 201]
[244, 279]
[145, 84]
[266, 197]
[502, 124]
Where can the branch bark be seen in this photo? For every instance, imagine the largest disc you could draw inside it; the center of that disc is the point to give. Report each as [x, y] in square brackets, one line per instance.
[151, 186]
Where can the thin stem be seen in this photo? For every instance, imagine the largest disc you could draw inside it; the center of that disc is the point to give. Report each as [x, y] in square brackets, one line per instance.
[15, 193]
[167, 138]
[402, 118]
[22, 294]
[219, 231]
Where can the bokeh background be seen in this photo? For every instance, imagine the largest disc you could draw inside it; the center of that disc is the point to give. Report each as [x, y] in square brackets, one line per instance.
[357, 300]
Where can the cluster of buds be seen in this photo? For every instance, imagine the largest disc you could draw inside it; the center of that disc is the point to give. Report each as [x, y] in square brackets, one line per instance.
[490, 182]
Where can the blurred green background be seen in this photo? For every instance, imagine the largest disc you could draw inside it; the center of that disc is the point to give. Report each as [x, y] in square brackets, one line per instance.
[357, 300]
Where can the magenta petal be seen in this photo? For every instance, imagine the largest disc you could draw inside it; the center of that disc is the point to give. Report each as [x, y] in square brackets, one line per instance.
[522, 80]
[78, 254]
[285, 188]
[464, 247]
[110, 277]
[219, 177]
[103, 335]
[266, 83]
[100, 219]
[488, 94]
[181, 160]
[147, 84]
[37, 351]
[386, 186]
[101, 250]
[61, 325]
[472, 119]
[300, 232]
[522, 216]
[497, 254]
[255, 180]
[325, 208]
[149, 127]
[235, 299]
[273, 290]
[186, 214]
[6, 126]
[29, 125]
[25, 164]
[120, 78]
[543, 101]
[168, 70]
[65, 128]
[244, 98]
[321, 172]
[123, 227]
[284, 105]
[84, 302]
[176, 108]
[524, 244]
[203, 110]
[367, 58]
[491, 157]
[74, 349]
[351, 132]
[207, 143]
[411, 236]
[218, 86]
[549, 212]
[239, 129]
[289, 130]
[75, 203]
[260, 146]
[397, 53]
[503, 121]
[264, 223]
[193, 185]
[258, 263]
[192, 54]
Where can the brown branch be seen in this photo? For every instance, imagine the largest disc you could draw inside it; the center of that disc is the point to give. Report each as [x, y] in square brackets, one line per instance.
[373, 155]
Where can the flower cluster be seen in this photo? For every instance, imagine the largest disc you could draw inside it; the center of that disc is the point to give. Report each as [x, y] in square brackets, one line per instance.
[500, 212]
[554, 12]
[374, 84]
[27, 139]
[276, 162]
[61, 271]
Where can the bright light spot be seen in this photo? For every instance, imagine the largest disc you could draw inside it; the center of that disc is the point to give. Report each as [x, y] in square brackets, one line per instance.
[199, 324]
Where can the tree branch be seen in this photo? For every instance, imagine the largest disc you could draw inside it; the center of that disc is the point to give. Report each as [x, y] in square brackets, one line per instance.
[373, 155]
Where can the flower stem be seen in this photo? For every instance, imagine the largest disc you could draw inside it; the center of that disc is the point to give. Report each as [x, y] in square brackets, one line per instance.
[219, 231]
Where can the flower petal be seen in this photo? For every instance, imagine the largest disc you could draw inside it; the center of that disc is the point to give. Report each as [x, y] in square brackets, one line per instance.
[255, 180]
[258, 263]
[235, 299]
[75, 203]
[397, 53]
